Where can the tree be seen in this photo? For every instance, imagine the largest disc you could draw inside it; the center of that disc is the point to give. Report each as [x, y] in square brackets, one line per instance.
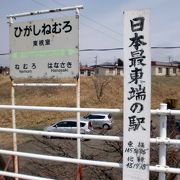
[60, 170]
[100, 83]
[119, 62]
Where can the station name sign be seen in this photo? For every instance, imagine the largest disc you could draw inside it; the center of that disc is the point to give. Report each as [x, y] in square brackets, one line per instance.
[44, 48]
[137, 95]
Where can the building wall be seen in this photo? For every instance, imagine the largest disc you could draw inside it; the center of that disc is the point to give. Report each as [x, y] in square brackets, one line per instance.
[83, 73]
[102, 71]
[87, 73]
[109, 71]
[164, 71]
[4, 70]
[178, 71]
[156, 70]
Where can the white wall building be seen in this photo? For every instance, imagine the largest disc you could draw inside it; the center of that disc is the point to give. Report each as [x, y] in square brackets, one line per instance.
[108, 69]
[86, 71]
[164, 69]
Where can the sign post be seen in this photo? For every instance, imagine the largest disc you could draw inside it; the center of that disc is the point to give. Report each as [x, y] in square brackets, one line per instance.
[44, 49]
[137, 90]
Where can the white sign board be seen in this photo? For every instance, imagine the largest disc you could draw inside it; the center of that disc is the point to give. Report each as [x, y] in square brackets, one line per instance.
[44, 48]
[137, 90]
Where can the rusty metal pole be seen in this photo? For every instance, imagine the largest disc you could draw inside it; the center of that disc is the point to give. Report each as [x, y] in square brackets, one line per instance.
[15, 159]
[78, 106]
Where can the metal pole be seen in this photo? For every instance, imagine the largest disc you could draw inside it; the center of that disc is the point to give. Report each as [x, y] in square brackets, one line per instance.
[14, 127]
[44, 84]
[79, 168]
[78, 96]
[45, 11]
[74, 109]
[78, 117]
[162, 146]
[84, 161]
[61, 109]
[14, 119]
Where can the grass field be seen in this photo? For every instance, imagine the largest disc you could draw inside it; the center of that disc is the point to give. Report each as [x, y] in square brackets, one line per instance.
[162, 88]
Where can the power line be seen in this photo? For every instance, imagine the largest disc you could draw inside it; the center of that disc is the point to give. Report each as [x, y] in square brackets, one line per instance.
[166, 47]
[107, 35]
[106, 27]
[4, 54]
[120, 48]
[113, 49]
[100, 24]
[39, 3]
[57, 2]
[92, 20]
[107, 49]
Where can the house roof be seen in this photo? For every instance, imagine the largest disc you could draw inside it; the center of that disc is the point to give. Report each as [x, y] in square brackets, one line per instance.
[107, 65]
[86, 68]
[167, 64]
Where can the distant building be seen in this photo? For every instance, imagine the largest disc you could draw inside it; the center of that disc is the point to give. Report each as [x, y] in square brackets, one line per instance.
[164, 68]
[87, 71]
[108, 69]
[113, 69]
[4, 70]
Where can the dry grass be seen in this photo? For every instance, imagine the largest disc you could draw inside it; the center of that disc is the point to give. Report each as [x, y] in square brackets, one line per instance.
[162, 88]
[165, 88]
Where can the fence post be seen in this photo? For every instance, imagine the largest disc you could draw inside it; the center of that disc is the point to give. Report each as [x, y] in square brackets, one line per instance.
[162, 146]
[15, 159]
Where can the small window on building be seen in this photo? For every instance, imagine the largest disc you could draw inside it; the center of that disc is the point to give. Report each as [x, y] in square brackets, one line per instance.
[174, 70]
[96, 71]
[160, 70]
[82, 72]
[118, 71]
[110, 71]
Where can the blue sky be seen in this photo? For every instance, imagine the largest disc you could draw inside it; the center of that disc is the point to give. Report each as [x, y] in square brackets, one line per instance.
[101, 25]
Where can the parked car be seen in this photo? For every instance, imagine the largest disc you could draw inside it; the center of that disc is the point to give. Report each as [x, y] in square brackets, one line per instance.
[100, 120]
[70, 126]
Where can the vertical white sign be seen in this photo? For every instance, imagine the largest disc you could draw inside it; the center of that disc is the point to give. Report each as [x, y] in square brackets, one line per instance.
[137, 95]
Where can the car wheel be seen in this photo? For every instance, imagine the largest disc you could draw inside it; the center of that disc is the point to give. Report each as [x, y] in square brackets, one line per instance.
[106, 126]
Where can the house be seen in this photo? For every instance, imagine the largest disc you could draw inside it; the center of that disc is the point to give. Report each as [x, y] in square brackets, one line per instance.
[4, 70]
[108, 69]
[87, 71]
[157, 69]
[112, 69]
[164, 68]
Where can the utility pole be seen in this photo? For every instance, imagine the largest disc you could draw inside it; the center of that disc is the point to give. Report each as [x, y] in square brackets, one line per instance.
[95, 65]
